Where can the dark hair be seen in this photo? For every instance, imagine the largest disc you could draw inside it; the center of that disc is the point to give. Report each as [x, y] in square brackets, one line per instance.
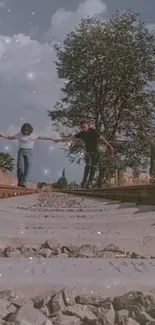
[26, 129]
[83, 122]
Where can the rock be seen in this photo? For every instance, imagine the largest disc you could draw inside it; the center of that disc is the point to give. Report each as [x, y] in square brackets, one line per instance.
[121, 316]
[68, 296]
[143, 317]
[57, 303]
[83, 312]
[47, 322]
[130, 299]
[7, 294]
[53, 244]
[131, 321]
[89, 300]
[108, 317]
[87, 250]
[45, 252]
[151, 310]
[29, 314]
[20, 301]
[45, 311]
[67, 320]
[11, 252]
[22, 322]
[43, 299]
[94, 309]
[4, 305]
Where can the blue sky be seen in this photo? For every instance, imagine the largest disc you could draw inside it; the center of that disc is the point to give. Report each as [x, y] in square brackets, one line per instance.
[28, 79]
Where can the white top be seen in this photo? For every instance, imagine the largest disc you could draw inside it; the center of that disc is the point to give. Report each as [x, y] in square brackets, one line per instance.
[26, 141]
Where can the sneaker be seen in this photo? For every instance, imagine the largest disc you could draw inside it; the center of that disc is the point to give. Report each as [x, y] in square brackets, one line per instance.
[89, 186]
[23, 185]
[83, 185]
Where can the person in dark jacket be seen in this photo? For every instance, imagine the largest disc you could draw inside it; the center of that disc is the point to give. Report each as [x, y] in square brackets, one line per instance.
[92, 140]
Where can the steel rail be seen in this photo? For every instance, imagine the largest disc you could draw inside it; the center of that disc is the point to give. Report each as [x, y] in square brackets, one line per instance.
[140, 194]
[7, 191]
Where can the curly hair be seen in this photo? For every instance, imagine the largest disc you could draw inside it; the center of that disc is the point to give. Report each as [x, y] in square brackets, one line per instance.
[26, 129]
[83, 122]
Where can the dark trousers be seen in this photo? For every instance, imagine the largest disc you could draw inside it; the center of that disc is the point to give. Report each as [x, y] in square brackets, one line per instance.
[91, 160]
[24, 161]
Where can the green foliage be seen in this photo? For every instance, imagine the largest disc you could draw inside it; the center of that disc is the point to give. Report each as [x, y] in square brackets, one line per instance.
[108, 68]
[6, 162]
[62, 181]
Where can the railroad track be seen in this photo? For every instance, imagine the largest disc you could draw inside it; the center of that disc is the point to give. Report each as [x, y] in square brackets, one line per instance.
[140, 194]
[7, 191]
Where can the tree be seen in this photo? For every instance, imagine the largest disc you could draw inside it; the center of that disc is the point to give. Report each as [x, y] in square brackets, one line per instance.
[62, 181]
[6, 162]
[108, 68]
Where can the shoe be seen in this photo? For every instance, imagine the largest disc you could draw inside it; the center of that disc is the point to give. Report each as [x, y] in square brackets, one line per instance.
[23, 185]
[89, 186]
[83, 185]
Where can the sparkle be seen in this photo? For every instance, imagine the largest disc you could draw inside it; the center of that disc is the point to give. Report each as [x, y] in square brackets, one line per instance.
[99, 232]
[34, 91]
[33, 13]
[21, 119]
[9, 10]
[1, 4]
[30, 75]
[50, 148]
[8, 40]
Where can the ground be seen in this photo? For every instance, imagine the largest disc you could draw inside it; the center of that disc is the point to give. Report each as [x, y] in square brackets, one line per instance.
[89, 246]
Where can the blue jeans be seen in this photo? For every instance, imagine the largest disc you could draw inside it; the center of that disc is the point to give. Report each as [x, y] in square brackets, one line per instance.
[24, 162]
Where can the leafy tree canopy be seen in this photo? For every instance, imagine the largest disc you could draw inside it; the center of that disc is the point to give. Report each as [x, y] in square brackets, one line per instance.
[108, 69]
[6, 162]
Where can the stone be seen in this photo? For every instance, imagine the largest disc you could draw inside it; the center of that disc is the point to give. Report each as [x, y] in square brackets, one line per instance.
[22, 322]
[68, 296]
[45, 252]
[47, 322]
[20, 301]
[89, 300]
[108, 317]
[45, 311]
[43, 299]
[67, 320]
[30, 314]
[83, 312]
[57, 303]
[11, 252]
[143, 317]
[53, 244]
[4, 305]
[131, 321]
[121, 316]
[7, 294]
[151, 310]
[130, 299]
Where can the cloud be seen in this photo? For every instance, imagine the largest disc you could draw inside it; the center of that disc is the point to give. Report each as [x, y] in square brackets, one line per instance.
[63, 21]
[29, 86]
[151, 27]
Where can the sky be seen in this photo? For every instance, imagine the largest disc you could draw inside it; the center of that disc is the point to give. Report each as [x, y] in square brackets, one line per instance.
[28, 80]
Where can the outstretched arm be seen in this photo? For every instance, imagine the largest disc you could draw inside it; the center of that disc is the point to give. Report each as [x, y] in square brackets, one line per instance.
[8, 137]
[106, 143]
[46, 138]
[65, 139]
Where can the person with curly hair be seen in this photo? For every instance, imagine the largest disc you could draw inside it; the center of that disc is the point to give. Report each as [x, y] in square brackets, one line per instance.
[26, 139]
